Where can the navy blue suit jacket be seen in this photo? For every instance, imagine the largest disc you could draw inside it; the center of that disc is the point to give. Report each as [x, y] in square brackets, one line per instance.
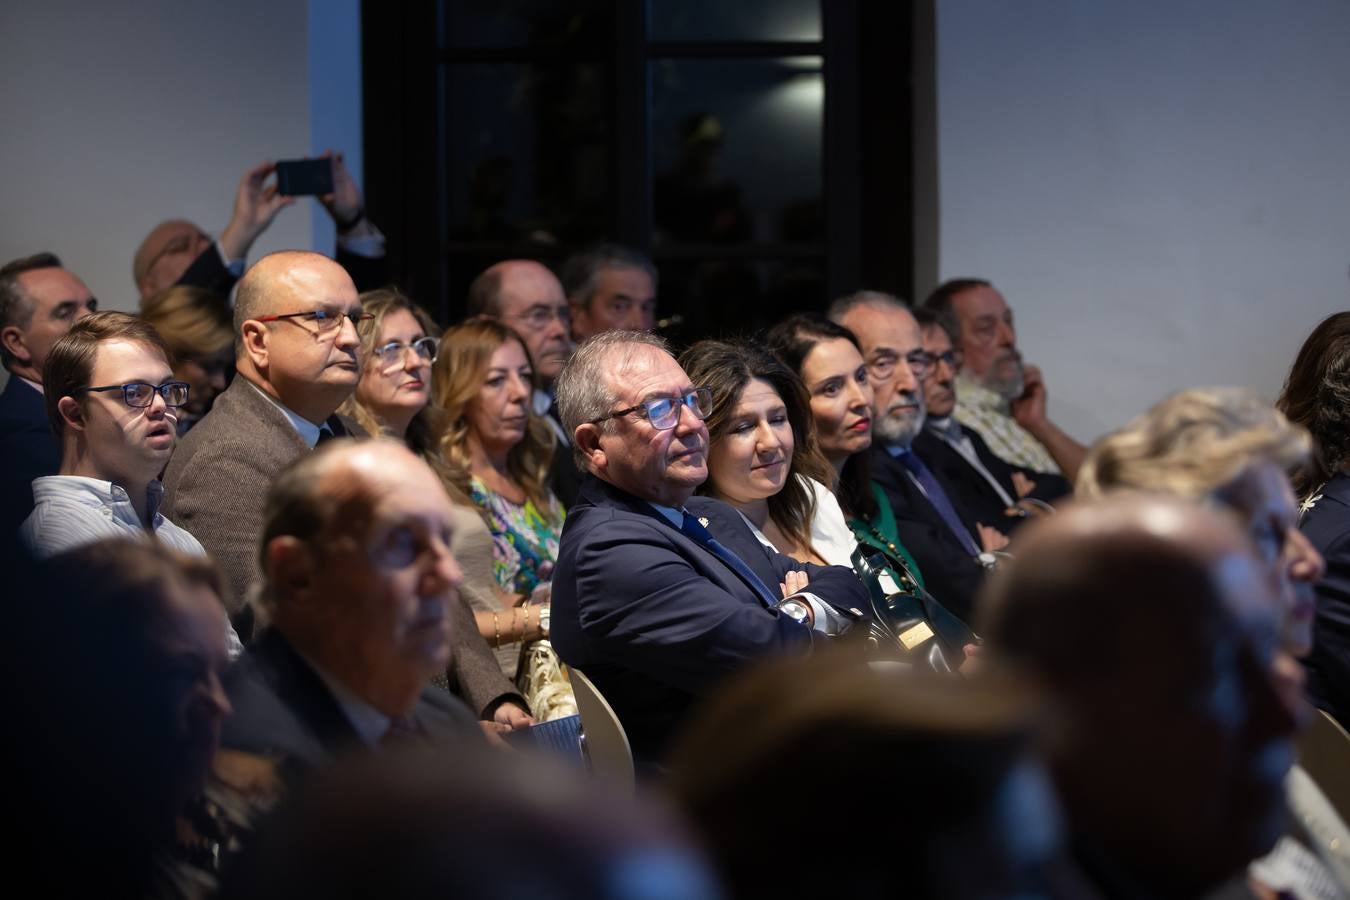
[28, 450]
[1327, 526]
[951, 574]
[657, 620]
[284, 711]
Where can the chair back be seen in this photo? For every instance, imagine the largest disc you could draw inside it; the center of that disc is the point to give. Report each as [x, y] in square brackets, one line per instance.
[603, 741]
[1324, 753]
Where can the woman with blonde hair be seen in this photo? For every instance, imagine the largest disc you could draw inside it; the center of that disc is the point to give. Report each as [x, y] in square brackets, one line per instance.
[196, 327]
[393, 398]
[1225, 446]
[495, 455]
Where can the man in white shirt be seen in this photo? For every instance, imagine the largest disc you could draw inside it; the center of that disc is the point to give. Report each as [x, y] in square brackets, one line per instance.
[110, 397]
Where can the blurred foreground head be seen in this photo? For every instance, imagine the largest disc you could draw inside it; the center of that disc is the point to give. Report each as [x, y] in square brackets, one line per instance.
[780, 765]
[1152, 626]
[482, 824]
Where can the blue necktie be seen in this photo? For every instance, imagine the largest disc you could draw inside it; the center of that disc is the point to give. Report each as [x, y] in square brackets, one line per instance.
[692, 528]
[938, 497]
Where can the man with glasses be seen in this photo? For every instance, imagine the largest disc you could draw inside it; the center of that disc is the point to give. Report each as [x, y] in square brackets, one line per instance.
[297, 359]
[528, 297]
[952, 547]
[1000, 397]
[659, 595]
[39, 301]
[975, 479]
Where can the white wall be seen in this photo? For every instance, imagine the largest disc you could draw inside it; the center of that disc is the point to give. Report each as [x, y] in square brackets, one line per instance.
[1161, 189]
[120, 115]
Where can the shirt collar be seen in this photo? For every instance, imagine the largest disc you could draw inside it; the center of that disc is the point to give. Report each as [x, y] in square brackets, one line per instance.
[896, 450]
[669, 513]
[103, 493]
[370, 724]
[308, 431]
[32, 384]
[944, 426]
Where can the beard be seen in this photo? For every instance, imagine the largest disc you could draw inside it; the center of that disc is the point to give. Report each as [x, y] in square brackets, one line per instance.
[1006, 377]
[900, 428]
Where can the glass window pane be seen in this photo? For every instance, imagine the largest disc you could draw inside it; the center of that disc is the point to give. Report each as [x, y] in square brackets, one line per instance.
[742, 20]
[736, 150]
[576, 24]
[737, 298]
[530, 154]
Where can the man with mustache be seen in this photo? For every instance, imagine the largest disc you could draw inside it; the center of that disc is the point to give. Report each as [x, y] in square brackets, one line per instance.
[997, 395]
[658, 595]
[976, 479]
[296, 354]
[952, 547]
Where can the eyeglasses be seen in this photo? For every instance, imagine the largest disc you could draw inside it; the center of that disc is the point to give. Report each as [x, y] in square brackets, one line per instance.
[142, 393]
[539, 317]
[921, 363]
[325, 320]
[664, 412]
[392, 353]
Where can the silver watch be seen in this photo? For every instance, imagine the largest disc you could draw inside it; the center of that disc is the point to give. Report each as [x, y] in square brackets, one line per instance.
[796, 610]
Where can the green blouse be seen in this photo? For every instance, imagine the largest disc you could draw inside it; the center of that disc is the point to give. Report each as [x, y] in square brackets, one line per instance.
[880, 532]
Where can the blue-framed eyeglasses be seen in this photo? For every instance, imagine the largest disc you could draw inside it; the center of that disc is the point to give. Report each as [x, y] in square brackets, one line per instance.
[664, 412]
[142, 393]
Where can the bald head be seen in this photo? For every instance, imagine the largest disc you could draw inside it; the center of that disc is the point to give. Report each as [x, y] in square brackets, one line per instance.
[1151, 625]
[165, 254]
[528, 297]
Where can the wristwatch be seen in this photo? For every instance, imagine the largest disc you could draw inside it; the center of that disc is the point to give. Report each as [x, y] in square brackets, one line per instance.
[796, 610]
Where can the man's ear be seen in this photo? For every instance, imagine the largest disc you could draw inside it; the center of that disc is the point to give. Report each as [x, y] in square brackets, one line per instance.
[72, 413]
[290, 568]
[254, 335]
[586, 438]
[12, 337]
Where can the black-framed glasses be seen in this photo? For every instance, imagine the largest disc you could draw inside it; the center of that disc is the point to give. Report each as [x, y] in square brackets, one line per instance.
[325, 320]
[664, 412]
[142, 393]
[921, 363]
[392, 353]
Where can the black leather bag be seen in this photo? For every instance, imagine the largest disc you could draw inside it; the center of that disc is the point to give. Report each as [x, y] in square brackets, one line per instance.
[910, 625]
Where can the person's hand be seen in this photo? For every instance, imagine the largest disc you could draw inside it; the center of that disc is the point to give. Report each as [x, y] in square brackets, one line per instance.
[493, 731]
[991, 539]
[793, 583]
[256, 204]
[1022, 484]
[345, 204]
[972, 663]
[1029, 409]
[512, 716]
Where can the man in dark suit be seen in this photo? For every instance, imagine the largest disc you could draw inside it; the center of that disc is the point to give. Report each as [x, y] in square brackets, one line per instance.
[296, 353]
[358, 587]
[39, 301]
[952, 546]
[658, 595]
[179, 252]
[981, 484]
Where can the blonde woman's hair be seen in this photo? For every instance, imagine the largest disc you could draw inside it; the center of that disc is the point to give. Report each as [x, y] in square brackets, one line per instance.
[422, 431]
[194, 322]
[457, 377]
[1197, 443]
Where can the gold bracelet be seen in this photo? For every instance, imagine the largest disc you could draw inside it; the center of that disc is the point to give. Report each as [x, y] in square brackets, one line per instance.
[497, 627]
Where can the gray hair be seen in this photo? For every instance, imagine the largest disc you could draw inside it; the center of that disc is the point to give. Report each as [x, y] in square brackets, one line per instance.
[583, 390]
[878, 299]
[16, 307]
[580, 270]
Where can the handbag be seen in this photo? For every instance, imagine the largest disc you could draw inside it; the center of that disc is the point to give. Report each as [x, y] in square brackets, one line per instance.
[909, 623]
